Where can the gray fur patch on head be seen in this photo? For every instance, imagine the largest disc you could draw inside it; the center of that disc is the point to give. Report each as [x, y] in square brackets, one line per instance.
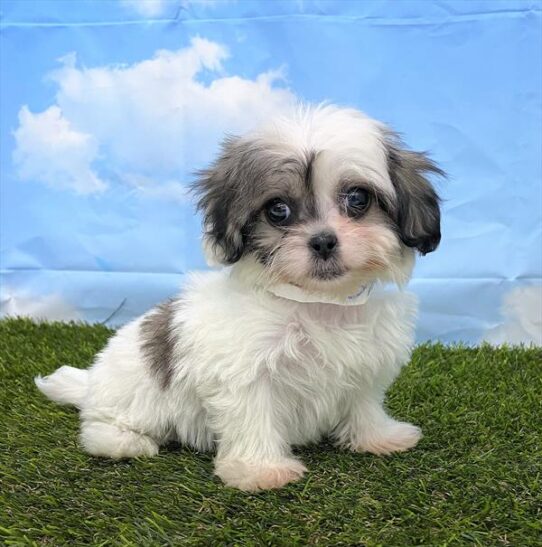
[233, 190]
[158, 341]
[417, 211]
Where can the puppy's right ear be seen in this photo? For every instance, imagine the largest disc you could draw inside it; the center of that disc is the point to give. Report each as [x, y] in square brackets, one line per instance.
[218, 190]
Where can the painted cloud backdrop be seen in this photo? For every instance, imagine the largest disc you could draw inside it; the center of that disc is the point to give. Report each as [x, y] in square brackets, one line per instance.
[147, 122]
[109, 107]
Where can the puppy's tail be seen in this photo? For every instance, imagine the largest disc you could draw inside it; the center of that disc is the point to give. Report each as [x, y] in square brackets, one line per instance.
[67, 386]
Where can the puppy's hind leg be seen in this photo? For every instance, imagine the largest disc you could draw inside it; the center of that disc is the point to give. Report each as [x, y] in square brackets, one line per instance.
[108, 440]
[368, 428]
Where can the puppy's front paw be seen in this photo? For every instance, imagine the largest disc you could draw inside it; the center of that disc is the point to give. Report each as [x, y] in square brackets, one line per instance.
[391, 437]
[254, 476]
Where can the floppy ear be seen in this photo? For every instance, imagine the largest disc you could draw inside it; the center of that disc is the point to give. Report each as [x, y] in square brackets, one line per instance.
[417, 212]
[220, 190]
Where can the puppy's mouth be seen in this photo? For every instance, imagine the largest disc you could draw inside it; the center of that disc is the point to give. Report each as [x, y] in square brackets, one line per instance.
[327, 271]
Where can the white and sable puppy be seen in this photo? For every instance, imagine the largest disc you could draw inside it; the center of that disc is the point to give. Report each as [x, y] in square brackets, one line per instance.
[298, 338]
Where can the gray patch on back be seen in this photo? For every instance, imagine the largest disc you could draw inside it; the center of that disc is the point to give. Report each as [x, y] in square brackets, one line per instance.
[158, 341]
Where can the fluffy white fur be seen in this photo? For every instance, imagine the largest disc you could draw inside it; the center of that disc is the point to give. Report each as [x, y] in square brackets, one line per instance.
[255, 374]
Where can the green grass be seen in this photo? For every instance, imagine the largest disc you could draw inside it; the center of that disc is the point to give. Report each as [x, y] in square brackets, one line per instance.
[474, 479]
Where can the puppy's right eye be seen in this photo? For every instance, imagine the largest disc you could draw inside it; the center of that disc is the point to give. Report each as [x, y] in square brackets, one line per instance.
[278, 212]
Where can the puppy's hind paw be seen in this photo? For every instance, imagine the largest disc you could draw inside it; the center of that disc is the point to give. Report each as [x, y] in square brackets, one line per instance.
[254, 476]
[392, 437]
[109, 441]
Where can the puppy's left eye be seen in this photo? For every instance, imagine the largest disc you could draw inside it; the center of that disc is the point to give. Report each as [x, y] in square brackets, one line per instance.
[357, 201]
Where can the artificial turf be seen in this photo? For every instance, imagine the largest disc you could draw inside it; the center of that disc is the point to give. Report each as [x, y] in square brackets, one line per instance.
[475, 478]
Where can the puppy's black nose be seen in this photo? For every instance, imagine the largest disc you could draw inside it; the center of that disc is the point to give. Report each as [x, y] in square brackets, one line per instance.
[323, 244]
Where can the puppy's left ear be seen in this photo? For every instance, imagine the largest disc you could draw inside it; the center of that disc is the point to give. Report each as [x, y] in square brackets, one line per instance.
[417, 211]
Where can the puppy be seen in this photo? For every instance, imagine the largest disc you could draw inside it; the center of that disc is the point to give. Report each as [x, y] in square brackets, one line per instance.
[314, 214]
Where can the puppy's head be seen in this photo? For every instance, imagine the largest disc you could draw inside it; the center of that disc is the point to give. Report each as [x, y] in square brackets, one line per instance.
[324, 199]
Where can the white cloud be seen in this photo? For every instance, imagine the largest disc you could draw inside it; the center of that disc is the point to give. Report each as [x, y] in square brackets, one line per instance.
[156, 119]
[50, 150]
[49, 307]
[522, 314]
[147, 8]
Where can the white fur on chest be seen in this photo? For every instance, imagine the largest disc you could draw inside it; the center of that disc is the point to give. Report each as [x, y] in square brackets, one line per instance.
[313, 357]
[219, 316]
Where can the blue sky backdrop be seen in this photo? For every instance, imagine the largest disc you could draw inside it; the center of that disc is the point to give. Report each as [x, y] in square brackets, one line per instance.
[109, 106]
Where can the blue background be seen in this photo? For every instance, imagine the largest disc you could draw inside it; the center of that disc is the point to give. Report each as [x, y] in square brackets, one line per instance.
[94, 219]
